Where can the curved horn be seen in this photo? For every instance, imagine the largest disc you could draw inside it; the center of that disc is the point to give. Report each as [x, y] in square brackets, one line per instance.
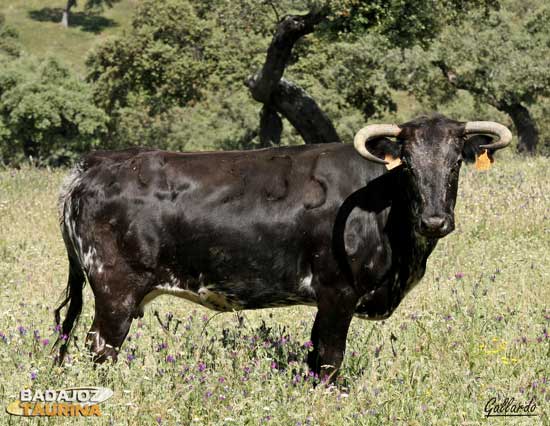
[372, 131]
[490, 128]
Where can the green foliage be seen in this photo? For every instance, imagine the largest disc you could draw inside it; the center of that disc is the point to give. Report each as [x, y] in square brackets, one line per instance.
[162, 60]
[499, 57]
[9, 43]
[404, 22]
[97, 5]
[180, 57]
[502, 57]
[45, 113]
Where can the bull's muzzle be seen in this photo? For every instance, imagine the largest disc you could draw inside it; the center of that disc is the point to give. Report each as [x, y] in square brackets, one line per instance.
[436, 226]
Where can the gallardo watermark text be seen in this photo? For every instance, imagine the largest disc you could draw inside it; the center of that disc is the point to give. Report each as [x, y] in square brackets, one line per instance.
[509, 407]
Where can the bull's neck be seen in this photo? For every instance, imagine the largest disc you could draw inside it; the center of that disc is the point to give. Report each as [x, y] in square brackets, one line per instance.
[404, 237]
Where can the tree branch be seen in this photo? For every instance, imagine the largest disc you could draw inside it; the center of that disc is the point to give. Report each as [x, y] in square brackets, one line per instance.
[289, 30]
[460, 83]
[303, 113]
[280, 96]
[528, 134]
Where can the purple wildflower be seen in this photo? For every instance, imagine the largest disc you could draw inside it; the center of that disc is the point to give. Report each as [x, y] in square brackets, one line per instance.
[308, 344]
[45, 342]
[22, 330]
[130, 357]
[170, 358]
[36, 334]
[459, 275]
[34, 375]
[201, 367]
[58, 328]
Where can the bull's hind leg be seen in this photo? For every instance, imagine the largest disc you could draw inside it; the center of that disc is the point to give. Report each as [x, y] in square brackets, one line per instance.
[117, 295]
[329, 333]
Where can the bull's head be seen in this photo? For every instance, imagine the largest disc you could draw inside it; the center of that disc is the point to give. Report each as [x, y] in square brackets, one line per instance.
[431, 151]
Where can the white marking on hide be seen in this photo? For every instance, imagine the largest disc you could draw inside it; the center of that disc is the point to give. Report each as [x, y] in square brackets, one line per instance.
[216, 301]
[89, 258]
[305, 287]
[205, 297]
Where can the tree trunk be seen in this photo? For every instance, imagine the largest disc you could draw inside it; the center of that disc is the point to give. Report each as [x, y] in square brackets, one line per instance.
[280, 96]
[528, 134]
[271, 127]
[66, 13]
[30, 150]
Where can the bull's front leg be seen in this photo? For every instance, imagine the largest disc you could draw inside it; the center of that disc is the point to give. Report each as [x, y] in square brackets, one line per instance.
[336, 307]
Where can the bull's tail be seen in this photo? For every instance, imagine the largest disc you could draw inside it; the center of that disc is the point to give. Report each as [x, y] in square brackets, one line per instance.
[76, 281]
[73, 297]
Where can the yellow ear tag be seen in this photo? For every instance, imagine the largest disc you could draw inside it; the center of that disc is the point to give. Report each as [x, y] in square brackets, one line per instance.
[483, 162]
[392, 162]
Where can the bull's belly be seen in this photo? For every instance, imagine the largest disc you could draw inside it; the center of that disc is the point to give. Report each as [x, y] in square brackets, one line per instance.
[236, 296]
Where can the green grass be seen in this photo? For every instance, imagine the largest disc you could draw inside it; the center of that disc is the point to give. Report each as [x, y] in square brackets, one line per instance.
[41, 33]
[476, 327]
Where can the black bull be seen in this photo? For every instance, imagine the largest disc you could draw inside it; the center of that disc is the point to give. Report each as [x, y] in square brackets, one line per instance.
[316, 225]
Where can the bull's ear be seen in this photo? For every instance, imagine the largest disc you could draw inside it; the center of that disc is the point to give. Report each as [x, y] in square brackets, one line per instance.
[386, 149]
[483, 161]
[473, 153]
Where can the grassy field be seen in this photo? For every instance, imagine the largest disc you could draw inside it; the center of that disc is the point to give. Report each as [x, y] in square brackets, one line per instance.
[40, 32]
[475, 328]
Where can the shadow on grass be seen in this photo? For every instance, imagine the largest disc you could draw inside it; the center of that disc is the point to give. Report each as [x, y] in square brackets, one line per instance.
[86, 21]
